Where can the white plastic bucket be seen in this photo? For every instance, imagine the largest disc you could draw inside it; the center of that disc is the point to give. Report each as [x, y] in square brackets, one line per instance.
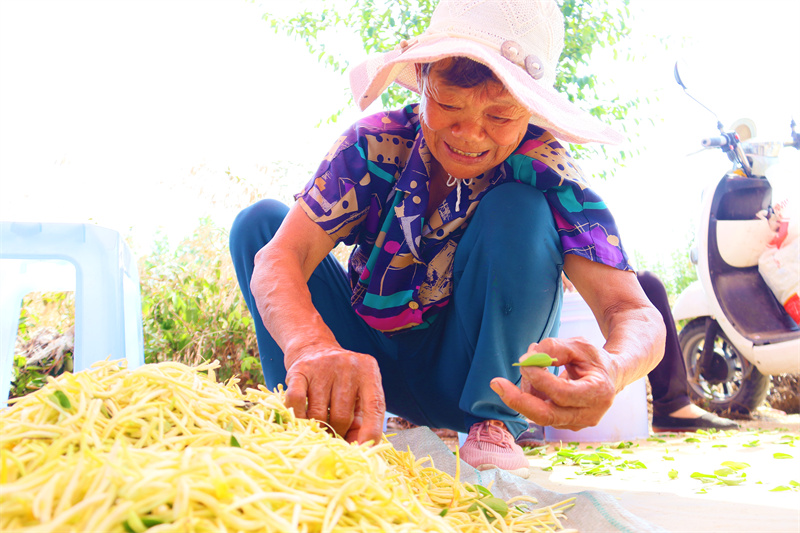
[626, 420]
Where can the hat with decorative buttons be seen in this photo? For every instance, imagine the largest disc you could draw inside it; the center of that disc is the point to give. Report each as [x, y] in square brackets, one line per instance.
[519, 40]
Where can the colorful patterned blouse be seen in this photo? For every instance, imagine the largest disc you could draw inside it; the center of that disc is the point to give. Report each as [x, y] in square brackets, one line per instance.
[372, 190]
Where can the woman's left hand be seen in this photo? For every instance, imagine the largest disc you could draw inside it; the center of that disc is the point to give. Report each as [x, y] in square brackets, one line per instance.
[577, 398]
[580, 396]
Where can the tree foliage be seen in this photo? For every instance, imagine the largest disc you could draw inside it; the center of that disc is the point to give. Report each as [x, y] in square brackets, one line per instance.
[382, 24]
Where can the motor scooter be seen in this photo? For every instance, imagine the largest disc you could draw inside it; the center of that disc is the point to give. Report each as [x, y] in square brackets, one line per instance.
[738, 334]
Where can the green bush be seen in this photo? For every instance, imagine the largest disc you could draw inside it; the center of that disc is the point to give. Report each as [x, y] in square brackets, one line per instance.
[44, 340]
[192, 308]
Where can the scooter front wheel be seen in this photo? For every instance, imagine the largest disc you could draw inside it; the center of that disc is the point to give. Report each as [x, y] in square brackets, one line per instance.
[731, 384]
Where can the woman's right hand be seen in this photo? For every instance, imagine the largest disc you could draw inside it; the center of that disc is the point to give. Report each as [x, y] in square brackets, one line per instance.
[340, 387]
[324, 381]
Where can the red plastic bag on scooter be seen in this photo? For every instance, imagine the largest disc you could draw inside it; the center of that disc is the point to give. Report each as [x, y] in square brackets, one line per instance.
[779, 265]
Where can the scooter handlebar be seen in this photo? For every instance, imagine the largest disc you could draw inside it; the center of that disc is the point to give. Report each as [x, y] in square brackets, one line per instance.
[711, 142]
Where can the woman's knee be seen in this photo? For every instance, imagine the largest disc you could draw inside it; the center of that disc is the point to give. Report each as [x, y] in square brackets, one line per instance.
[258, 222]
[515, 209]
[516, 219]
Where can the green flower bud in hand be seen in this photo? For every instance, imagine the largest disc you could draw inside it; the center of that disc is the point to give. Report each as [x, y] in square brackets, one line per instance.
[537, 359]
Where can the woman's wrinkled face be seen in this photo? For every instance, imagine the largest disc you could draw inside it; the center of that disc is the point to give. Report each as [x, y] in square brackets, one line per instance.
[470, 131]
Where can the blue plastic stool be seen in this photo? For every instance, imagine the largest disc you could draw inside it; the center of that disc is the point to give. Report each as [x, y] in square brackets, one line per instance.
[93, 261]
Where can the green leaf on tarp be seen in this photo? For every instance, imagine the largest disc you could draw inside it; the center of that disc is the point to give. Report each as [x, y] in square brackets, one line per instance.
[732, 480]
[780, 455]
[705, 478]
[735, 465]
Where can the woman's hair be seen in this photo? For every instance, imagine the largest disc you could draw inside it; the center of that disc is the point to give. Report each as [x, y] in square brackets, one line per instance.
[461, 72]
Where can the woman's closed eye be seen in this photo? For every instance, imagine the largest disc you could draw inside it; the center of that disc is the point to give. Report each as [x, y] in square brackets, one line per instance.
[499, 119]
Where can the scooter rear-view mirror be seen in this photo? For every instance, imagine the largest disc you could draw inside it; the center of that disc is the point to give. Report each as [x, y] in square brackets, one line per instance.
[680, 67]
[678, 74]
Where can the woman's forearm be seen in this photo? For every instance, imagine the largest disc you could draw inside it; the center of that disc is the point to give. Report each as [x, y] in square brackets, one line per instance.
[280, 286]
[284, 303]
[635, 338]
[634, 329]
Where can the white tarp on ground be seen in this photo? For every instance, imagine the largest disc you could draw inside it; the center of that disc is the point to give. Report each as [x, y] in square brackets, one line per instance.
[593, 510]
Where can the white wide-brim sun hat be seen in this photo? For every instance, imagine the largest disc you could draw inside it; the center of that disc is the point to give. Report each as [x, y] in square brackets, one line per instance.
[519, 40]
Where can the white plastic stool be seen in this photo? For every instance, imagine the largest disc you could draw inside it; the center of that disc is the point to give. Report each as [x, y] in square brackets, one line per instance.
[626, 419]
[93, 261]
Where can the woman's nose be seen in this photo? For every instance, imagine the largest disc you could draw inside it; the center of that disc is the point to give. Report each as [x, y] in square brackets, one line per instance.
[468, 129]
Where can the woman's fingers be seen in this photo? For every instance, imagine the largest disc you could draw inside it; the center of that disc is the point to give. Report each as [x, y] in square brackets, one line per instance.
[546, 412]
[343, 390]
[577, 398]
[342, 407]
[590, 389]
[585, 380]
[373, 409]
[297, 394]
[528, 405]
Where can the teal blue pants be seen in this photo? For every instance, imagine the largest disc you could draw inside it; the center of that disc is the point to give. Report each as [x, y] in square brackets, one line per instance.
[507, 295]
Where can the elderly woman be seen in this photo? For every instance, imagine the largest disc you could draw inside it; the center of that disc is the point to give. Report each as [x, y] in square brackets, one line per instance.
[463, 211]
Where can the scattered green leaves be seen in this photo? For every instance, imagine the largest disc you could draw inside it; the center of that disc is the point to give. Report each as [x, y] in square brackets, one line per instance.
[793, 486]
[533, 451]
[596, 462]
[731, 473]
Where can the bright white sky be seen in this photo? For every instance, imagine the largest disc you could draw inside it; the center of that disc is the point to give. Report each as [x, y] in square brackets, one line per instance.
[121, 112]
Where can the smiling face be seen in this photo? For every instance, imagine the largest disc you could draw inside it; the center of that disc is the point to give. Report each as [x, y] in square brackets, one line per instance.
[469, 130]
